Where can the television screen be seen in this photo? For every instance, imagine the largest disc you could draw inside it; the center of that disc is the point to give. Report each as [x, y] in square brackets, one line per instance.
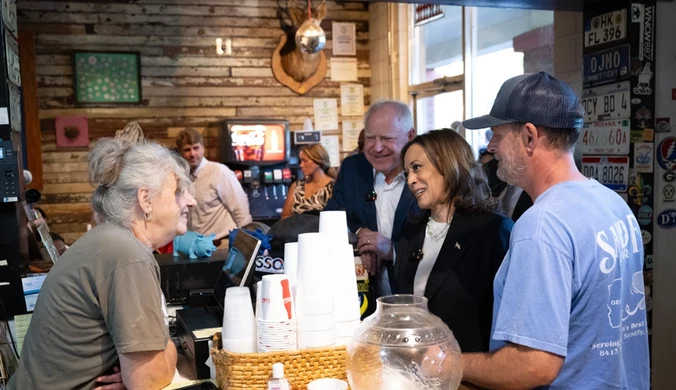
[257, 142]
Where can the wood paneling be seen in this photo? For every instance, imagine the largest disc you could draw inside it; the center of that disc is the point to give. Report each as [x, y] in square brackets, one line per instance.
[185, 82]
[31, 120]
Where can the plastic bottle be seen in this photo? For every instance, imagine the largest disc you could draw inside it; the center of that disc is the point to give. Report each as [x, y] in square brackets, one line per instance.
[277, 380]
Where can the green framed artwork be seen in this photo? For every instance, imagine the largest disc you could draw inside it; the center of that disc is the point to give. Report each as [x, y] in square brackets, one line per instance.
[107, 77]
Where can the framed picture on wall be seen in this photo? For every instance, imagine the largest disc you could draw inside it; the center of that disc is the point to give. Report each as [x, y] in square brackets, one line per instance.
[107, 77]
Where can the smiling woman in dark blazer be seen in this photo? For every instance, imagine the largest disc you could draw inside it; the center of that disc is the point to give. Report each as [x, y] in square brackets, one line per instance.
[451, 254]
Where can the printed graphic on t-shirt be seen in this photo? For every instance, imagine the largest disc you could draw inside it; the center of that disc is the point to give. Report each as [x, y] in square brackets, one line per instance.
[626, 306]
[617, 312]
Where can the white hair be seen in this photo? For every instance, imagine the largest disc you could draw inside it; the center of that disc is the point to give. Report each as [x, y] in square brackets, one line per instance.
[403, 119]
[118, 169]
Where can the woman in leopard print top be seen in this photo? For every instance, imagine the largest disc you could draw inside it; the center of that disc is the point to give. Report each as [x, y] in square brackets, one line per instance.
[311, 194]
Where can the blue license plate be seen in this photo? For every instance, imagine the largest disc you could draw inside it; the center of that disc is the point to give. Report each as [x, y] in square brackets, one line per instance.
[606, 66]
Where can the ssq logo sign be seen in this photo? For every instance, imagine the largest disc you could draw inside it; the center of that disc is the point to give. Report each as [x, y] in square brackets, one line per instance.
[270, 265]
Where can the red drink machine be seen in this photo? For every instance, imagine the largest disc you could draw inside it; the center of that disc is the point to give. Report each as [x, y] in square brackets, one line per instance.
[259, 152]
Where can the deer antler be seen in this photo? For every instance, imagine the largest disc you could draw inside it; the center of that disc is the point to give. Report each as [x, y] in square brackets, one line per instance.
[296, 13]
[321, 11]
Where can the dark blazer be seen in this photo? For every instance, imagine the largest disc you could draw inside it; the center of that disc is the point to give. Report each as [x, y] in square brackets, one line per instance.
[522, 205]
[497, 186]
[352, 194]
[460, 287]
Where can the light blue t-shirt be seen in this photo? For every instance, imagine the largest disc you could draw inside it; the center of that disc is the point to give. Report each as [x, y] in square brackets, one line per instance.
[572, 284]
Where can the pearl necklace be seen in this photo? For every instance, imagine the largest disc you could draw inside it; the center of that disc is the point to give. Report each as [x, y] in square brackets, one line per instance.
[436, 236]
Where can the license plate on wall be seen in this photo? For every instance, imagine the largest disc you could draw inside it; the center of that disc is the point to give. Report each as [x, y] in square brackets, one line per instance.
[608, 27]
[605, 66]
[611, 171]
[604, 137]
[606, 102]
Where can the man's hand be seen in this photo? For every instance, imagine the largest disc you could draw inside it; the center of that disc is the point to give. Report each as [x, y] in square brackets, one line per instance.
[110, 382]
[372, 264]
[370, 241]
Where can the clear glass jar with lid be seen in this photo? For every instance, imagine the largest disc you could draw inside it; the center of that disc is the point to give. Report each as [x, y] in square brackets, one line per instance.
[403, 346]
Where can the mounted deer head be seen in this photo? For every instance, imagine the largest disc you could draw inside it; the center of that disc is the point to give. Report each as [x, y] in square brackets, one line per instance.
[297, 69]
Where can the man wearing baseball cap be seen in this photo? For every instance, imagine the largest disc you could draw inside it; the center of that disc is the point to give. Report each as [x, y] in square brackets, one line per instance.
[569, 307]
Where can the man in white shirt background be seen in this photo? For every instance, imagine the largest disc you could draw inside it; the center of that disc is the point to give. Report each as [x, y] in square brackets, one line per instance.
[222, 205]
[371, 188]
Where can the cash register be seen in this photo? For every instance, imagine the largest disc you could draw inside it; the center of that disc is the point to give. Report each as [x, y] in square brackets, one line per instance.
[195, 326]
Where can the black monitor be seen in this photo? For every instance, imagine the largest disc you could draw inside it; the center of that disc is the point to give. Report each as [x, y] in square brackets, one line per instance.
[238, 269]
[186, 281]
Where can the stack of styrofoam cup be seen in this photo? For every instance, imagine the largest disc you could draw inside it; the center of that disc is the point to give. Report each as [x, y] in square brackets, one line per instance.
[276, 319]
[346, 299]
[239, 323]
[314, 294]
[334, 225]
[291, 264]
[346, 294]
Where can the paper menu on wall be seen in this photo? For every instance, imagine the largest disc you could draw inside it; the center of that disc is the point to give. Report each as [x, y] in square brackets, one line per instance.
[352, 99]
[351, 131]
[21, 323]
[344, 38]
[343, 69]
[4, 116]
[326, 114]
[331, 144]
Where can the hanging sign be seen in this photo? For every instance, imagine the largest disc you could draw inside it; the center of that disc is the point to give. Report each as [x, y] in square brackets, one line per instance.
[606, 102]
[608, 27]
[605, 137]
[605, 66]
[611, 171]
[426, 13]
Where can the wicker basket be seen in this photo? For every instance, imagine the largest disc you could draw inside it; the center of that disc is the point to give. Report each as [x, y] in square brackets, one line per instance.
[251, 371]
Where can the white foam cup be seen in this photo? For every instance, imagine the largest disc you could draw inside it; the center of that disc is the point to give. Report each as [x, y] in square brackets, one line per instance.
[327, 384]
[334, 225]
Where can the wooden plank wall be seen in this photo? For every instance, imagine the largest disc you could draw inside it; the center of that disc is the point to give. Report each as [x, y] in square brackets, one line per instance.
[185, 83]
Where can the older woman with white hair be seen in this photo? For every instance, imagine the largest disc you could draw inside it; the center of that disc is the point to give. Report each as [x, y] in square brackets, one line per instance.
[102, 302]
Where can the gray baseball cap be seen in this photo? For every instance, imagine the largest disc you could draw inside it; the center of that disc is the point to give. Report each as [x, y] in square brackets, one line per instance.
[536, 98]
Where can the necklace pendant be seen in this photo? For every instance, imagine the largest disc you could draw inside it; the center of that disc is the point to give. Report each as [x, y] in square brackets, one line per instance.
[437, 236]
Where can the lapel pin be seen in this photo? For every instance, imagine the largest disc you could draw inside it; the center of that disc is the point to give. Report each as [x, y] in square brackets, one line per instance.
[457, 245]
[418, 255]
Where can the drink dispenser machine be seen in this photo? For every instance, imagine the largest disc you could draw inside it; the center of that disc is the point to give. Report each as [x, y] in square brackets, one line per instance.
[259, 152]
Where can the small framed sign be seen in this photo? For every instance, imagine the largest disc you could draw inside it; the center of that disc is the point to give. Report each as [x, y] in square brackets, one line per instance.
[305, 137]
[107, 77]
